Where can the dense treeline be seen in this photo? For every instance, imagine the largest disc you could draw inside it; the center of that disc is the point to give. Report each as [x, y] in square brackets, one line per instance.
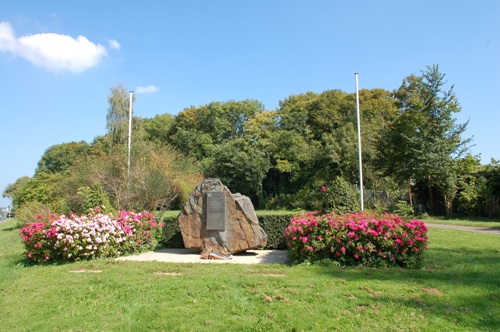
[302, 155]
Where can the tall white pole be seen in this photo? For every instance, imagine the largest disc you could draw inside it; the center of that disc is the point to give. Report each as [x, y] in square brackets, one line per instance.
[129, 132]
[359, 147]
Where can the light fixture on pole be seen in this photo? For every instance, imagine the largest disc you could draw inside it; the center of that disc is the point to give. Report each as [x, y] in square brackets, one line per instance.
[129, 131]
[359, 147]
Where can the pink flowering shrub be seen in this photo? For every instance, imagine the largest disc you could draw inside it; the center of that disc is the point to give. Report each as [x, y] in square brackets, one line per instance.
[92, 236]
[357, 239]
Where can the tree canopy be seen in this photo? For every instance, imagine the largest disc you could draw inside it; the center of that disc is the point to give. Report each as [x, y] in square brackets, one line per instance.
[279, 158]
[423, 142]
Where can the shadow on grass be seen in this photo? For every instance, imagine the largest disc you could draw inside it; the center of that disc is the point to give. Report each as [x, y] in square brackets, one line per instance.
[11, 228]
[269, 257]
[465, 267]
[466, 270]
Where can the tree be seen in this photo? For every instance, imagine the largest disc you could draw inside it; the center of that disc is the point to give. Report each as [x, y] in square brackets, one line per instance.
[117, 117]
[316, 138]
[58, 158]
[157, 128]
[15, 190]
[43, 188]
[197, 129]
[424, 140]
[241, 167]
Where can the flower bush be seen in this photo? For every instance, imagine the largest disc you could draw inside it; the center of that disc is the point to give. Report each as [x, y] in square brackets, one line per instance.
[357, 239]
[95, 235]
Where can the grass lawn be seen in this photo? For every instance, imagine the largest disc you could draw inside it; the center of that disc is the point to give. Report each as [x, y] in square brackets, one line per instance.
[463, 222]
[457, 290]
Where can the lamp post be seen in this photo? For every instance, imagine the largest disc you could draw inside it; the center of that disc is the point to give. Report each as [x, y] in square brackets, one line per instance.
[129, 131]
[359, 147]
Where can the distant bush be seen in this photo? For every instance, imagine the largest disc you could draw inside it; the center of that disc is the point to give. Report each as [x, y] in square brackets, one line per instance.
[402, 208]
[337, 196]
[357, 239]
[30, 211]
[92, 236]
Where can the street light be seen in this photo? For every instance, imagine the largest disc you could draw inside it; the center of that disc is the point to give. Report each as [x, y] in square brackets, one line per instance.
[129, 131]
[359, 147]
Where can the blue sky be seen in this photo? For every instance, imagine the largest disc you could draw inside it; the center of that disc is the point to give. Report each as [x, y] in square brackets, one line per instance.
[59, 59]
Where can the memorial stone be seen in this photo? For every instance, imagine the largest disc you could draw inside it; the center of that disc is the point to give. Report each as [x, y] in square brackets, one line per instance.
[218, 222]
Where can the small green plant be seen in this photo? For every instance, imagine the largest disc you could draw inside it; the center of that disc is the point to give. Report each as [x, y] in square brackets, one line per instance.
[90, 197]
[404, 209]
[338, 197]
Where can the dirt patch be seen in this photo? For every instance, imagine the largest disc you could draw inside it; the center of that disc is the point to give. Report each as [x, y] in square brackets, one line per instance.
[433, 291]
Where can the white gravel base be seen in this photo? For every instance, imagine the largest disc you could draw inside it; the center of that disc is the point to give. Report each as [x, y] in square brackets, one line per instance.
[193, 256]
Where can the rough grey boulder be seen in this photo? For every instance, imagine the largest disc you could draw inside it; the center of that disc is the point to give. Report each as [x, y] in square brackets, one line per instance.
[240, 232]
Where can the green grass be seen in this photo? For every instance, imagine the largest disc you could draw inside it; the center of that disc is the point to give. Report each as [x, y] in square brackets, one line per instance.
[457, 290]
[486, 223]
[168, 214]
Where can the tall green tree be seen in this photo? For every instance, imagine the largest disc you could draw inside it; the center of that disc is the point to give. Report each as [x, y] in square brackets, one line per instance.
[117, 116]
[424, 140]
[240, 166]
[317, 140]
[58, 158]
[197, 129]
[157, 128]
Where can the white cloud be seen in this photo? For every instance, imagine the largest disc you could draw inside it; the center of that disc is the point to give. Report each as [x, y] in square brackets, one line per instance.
[114, 44]
[7, 40]
[52, 51]
[147, 89]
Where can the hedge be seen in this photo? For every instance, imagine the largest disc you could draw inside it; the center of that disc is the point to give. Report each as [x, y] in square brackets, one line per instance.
[273, 224]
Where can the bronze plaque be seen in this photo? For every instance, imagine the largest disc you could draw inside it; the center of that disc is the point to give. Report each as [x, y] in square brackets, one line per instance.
[216, 211]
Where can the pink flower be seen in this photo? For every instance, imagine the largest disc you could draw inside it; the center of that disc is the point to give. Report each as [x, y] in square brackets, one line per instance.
[342, 249]
[323, 188]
